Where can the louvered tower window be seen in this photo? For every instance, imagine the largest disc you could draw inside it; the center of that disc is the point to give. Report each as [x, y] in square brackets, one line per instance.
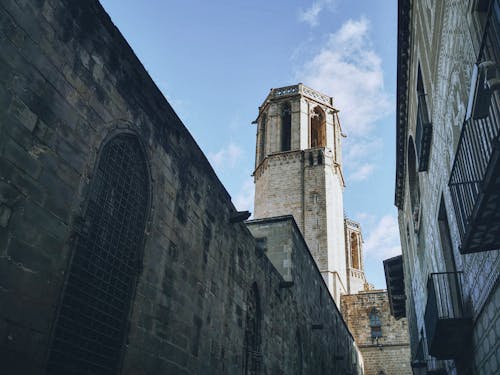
[92, 321]
[286, 127]
[253, 355]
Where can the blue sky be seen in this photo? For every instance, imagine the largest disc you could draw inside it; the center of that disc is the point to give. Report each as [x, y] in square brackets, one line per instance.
[215, 62]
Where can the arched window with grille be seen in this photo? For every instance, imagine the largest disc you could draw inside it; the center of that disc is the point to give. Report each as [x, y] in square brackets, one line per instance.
[91, 326]
[253, 354]
[286, 127]
[376, 328]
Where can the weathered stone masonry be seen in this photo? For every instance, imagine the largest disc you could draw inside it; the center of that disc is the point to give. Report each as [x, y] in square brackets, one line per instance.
[68, 84]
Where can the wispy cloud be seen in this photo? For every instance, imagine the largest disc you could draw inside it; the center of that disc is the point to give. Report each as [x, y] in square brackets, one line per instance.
[245, 197]
[311, 14]
[383, 239]
[362, 172]
[348, 67]
[227, 157]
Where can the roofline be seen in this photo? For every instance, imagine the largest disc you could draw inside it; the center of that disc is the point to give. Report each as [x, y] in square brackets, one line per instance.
[291, 91]
[403, 59]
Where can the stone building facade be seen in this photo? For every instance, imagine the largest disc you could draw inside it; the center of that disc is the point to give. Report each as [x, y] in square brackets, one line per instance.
[447, 182]
[120, 250]
[299, 172]
[383, 340]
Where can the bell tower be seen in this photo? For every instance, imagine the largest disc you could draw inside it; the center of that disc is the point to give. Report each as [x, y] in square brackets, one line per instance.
[298, 171]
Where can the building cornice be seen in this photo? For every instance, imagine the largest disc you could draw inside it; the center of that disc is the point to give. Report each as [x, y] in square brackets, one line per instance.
[403, 67]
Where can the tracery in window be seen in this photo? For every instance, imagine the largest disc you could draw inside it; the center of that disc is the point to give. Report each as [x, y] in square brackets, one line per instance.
[91, 326]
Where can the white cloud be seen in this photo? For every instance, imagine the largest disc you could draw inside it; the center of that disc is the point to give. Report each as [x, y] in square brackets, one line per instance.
[244, 198]
[383, 241]
[348, 68]
[311, 14]
[363, 172]
[226, 157]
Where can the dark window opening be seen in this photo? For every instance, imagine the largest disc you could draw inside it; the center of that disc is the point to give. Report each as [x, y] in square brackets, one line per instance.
[423, 132]
[91, 325]
[286, 127]
[376, 328]
[262, 143]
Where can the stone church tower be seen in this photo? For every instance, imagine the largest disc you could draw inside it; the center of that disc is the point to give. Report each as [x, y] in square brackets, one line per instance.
[298, 171]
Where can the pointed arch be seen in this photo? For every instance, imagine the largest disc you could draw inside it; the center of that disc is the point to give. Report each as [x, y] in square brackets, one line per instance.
[262, 138]
[286, 127]
[355, 256]
[318, 128]
[90, 329]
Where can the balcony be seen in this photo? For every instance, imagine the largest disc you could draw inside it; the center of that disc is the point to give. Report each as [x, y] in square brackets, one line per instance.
[447, 325]
[394, 278]
[475, 176]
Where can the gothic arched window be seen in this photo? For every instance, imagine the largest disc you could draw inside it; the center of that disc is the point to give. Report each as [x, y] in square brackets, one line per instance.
[91, 325]
[375, 325]
[355, 251]
[253, 355]
[262, 140]
[318, 128]
[286, 127]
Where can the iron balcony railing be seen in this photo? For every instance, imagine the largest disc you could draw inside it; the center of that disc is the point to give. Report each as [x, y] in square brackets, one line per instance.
[446, 321]
[475, 168]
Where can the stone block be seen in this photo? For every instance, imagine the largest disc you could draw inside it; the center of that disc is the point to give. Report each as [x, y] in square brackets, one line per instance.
[21, 158]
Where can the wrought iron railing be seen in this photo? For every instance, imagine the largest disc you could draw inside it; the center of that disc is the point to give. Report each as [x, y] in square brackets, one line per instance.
[479, 139]
[444, 296]
[444, 304]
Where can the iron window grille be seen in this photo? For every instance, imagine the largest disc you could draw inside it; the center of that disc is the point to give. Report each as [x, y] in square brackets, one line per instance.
[92, 322]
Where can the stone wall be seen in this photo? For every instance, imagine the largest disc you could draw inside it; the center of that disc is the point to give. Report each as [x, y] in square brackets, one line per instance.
[69, 82]
[391, 352]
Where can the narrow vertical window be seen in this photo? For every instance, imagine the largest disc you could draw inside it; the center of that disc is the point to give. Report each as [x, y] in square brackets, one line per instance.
[286, 127]
[355, 251]
[91, 325]
[413, 182]
[375, 325]
[423, 132]
[262, 142]
[253, 355]
[318, 128]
